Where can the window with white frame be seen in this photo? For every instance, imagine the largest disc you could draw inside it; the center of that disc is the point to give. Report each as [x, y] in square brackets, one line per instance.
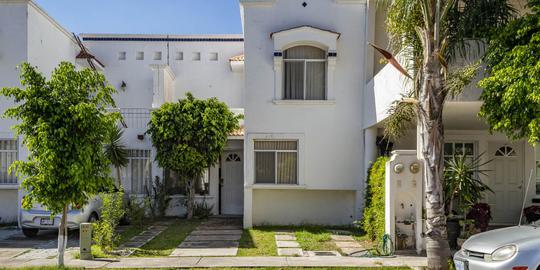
[139, 170]
[304, 73]
[459, 149]
[8, 155]
[276, 162]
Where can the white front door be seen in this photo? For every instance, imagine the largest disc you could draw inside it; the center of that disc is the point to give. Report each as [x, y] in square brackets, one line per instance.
[506, 181]
[232, 191]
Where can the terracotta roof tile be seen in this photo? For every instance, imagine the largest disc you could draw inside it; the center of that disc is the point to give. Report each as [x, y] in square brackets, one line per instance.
[238, 132]
[239, 58]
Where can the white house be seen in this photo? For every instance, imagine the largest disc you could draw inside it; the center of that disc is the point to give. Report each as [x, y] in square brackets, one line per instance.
[312, 91]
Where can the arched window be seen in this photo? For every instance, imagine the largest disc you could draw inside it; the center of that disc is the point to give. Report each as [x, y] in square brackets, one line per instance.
[304, 73]
[505, 151]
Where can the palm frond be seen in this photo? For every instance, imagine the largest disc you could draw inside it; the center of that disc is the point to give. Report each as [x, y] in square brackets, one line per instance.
[400, 117]
[115, 150]
[458, 79]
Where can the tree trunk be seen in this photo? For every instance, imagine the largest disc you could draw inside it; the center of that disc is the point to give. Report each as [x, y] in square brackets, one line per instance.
[62, 237]
[431, 101]
[119, 179]
[190, 198]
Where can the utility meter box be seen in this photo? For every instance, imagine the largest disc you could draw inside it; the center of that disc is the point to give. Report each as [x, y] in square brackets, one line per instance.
[85, 241]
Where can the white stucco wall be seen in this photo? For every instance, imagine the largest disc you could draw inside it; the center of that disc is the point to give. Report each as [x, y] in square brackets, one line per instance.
[303, 207]
[203, 78]
[28, 34]
[331, 133]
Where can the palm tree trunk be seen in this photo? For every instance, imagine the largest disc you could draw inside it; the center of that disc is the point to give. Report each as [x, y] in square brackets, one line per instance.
[119, 179]
[62, 237]
[431, 101]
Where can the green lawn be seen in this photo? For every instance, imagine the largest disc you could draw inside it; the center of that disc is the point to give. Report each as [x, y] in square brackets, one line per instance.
[168, 240]
[314, 238]
[257, 242]
[229, 268]
[260, 241]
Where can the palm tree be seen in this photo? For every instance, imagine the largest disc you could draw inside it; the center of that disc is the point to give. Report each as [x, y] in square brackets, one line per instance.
[116, 151]
[428, 35]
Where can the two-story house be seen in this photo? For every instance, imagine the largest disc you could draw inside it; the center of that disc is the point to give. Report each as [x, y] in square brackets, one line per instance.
[313, 93]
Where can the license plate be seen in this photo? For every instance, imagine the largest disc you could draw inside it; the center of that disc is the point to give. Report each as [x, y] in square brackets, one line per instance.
[460, 265]
[46, 221]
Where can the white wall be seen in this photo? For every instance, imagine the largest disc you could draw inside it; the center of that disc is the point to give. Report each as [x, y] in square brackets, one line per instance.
[303, 207]
[204, 78]
[332, 133]
[48, 43]
[28, 34]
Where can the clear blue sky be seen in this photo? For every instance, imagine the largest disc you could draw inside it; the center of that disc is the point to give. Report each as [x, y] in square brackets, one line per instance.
[146, 16]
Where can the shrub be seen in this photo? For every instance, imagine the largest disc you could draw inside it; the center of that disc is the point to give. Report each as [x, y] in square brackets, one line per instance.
[111, 212]
[373, 221]
[202, 209]
[159, 200]
[481, 214]
[136, 211]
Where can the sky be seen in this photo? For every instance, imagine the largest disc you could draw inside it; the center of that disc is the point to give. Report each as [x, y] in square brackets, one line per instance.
[146, 16]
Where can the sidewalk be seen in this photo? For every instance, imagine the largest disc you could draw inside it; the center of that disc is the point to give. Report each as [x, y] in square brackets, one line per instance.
[184, 262]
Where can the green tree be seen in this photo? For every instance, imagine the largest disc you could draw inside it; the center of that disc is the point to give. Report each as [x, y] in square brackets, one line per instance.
[116, 152]
[189, 136]
[63, 122]
[512, 87]
[429, 35]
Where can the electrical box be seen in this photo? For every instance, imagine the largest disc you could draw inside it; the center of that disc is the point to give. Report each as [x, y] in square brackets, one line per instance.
[85, 241]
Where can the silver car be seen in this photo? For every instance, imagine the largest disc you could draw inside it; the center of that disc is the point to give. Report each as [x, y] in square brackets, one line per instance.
[38, 218]
[516, 248]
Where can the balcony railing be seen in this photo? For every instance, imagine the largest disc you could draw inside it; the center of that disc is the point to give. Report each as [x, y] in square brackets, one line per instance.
[134, 117]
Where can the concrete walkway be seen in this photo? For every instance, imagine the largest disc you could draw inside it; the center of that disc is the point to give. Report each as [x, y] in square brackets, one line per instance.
[185, 262]
[218, 236]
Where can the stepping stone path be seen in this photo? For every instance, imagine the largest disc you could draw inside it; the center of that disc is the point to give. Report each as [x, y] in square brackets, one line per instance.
[347, 244]
[287, 245]
[145, 236]
[218, 236]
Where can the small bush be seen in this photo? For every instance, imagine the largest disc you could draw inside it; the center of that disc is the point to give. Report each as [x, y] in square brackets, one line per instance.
[136, 211]
[159, 199]
[111, 212]
[373, 220]
[202, 209]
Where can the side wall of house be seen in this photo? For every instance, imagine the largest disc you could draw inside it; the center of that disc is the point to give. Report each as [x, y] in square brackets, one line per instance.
[329, 133]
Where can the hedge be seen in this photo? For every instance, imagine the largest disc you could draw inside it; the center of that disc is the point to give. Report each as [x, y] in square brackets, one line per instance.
[373, 221]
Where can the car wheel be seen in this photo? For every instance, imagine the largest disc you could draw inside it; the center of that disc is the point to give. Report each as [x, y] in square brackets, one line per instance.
[93, 218]
[30, 232]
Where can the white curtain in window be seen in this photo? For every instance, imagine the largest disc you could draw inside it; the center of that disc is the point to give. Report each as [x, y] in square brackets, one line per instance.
[8, 154]
[305, 65]
[315, 80]
[287, 167]
[265, 167]
[294, 80]
[139, 170]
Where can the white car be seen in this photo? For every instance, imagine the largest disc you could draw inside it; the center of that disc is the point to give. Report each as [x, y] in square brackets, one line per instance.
[38, 218]
[515, 248]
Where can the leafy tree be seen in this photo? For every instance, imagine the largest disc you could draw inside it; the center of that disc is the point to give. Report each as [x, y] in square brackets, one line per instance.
[429, 35]
[512, 87]
[116, 151]
[189, 136]
[63, 122]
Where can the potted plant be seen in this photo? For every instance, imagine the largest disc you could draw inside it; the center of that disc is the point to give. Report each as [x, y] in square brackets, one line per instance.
[481, 214]
[468, 229]
[532, 213]
[462, 189]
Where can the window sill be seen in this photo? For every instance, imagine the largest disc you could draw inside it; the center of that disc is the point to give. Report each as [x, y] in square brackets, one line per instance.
[9, 186]
[276, 186]
[303, 102]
